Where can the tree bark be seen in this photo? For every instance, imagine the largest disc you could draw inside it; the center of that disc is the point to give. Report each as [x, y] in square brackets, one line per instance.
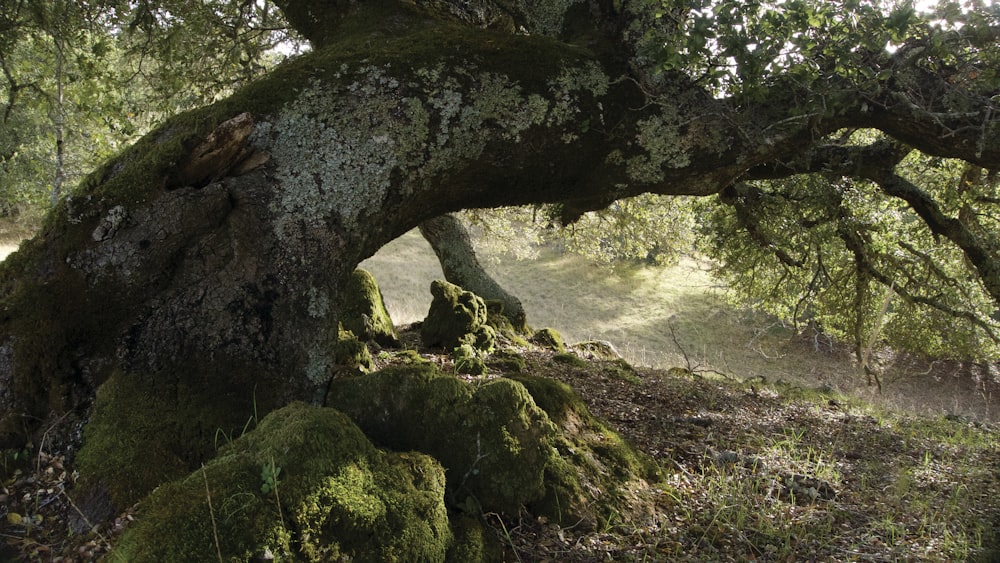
[453, 247]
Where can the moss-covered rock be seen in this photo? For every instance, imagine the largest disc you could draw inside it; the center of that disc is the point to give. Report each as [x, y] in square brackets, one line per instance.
[364, 312]
[472, 543]
[570, 360]
[549, 338]
[508, 361]
[596, 463]
[597, 350]
[502, 450]
[339, 498]
[455, 313]
[493, 440]
[149, 429]
[352, 353]
[468, 360]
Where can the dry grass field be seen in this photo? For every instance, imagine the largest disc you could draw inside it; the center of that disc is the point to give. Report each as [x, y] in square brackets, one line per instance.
[678, 316]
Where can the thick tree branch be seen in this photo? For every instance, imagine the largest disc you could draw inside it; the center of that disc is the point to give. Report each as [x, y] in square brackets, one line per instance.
[316, 20]
[981, 253]
[745, 201]
[856, 245]
[864, 161]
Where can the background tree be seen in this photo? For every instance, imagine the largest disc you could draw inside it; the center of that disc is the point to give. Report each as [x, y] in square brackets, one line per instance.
[82, 80]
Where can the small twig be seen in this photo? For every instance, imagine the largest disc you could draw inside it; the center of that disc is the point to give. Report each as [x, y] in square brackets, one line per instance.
[41, 444]
[673, 337]
[93, 528]
[211, 514]
[479, 457]
[277, 500]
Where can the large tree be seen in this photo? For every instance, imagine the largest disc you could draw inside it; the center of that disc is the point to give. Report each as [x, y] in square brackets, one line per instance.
[199, 275]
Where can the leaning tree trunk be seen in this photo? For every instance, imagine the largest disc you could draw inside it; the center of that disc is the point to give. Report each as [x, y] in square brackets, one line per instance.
[453, 247]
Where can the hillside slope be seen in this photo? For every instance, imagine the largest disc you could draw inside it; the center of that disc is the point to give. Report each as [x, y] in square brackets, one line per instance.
[678, 317]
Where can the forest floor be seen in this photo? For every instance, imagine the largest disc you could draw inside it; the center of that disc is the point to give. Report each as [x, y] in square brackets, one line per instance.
[771, 447]
[758, 471]
[751, 471]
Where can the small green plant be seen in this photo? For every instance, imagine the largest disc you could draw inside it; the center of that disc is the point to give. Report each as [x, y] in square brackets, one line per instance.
[269, 475]
[468, 360]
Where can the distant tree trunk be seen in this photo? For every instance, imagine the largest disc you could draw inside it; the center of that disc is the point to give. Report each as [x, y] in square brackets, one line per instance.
[59, 118]
[453, 247]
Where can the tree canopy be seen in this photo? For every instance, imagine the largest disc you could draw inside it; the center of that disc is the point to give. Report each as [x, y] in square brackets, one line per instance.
[844, 66]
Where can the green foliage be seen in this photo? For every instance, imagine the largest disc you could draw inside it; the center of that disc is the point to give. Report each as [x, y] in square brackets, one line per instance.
[646, 229]
[269, 474]
[747, 48]
[826, 251]
[102, 74]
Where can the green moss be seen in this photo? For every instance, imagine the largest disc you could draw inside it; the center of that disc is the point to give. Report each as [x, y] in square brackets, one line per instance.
[493, 440]
[454, 314]
[472, 543]
[549, 338]
[363, 311]
[352, 353]
[593, 457]
[468, 360]
[570, 360]
[557, 399]
[410, 357]
[146, 430]
[598, 349]
[497, 318]
[620, 369]
[502, 449]
[508, 361]
[340, 498]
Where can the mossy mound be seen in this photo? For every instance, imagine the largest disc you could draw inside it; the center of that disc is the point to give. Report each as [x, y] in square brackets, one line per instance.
[502, 449]
[454, 314]
[364, 311]
[508, 361]
[339, 497]
[352, 353]
[549, 338]
[598, 350]
[600, 460]
[493, 440]
[149, 429]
